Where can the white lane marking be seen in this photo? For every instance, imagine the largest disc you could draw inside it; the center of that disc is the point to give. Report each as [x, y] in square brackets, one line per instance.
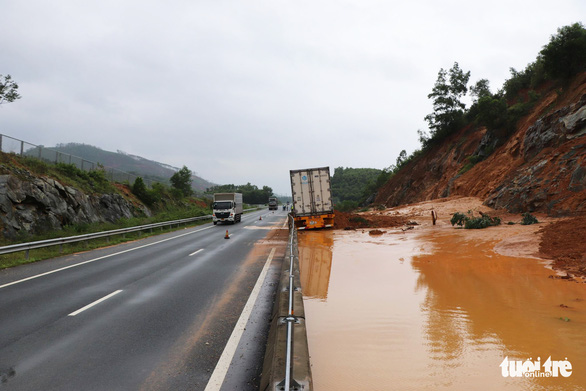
[217, 378]
[87, 307]
[195, 252]
[97, 259]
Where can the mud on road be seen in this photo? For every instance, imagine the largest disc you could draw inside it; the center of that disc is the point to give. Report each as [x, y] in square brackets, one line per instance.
[561, 241]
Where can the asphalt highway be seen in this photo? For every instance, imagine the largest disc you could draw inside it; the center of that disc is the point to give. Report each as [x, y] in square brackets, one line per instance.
[153, 314]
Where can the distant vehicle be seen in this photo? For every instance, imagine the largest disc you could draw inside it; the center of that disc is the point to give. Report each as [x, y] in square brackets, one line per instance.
[273, 203]
[227, 207]
[312, 198]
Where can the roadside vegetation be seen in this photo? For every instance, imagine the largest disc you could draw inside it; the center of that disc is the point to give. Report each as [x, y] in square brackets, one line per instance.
[251, 194]
[165, 203]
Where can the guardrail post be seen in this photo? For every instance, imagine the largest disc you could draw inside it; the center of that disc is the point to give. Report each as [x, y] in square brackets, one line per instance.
[21, 148]
[26, 254]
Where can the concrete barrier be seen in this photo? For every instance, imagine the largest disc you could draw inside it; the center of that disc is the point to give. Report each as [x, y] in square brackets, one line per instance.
[274, 365]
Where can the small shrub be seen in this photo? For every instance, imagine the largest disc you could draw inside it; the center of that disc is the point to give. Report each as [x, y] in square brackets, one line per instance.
[471, 222]
[481, 222]
[458, 218]
[528, 219]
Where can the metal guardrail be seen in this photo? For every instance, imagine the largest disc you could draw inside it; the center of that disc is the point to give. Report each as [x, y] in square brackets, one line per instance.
[13, 248]
[286, 365]
[290, 319]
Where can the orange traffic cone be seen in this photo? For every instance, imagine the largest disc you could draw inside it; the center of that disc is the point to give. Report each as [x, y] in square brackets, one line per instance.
[227, 235]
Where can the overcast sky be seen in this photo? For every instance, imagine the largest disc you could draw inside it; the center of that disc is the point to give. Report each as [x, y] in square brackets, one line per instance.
[244, 91]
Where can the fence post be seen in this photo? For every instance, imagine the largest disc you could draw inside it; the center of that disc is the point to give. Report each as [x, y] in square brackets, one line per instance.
[21, 148]
[0, 142]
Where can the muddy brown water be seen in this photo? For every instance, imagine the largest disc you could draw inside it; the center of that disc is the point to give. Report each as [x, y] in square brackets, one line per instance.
[433, 309]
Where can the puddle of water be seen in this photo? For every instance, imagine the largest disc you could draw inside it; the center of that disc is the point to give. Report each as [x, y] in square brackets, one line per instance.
[384, 314]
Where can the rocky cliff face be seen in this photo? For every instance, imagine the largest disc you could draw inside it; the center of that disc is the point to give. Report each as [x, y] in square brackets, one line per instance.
[540, 168]
[31, 204]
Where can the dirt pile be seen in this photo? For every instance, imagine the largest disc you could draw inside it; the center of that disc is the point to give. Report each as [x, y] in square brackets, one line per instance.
[564, 242]
[343, 220]
[539, 168]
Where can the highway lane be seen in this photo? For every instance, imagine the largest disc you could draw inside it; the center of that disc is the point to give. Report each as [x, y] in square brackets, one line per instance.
[152, 314]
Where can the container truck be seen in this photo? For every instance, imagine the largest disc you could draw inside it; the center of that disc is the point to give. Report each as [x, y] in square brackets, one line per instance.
[227, 207]
[312, 198]
[273, 203]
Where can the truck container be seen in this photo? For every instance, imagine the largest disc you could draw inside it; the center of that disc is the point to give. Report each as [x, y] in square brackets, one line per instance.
[227, 207]
[312, 198]
[273, 203]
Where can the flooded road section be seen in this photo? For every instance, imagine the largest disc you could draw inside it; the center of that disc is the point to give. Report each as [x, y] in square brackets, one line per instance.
[432, 308]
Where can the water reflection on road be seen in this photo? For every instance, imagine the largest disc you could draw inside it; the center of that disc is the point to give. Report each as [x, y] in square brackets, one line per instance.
[433, 310]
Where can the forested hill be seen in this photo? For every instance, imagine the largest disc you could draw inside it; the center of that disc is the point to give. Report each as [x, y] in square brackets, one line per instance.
[352, 186]
[147, 169]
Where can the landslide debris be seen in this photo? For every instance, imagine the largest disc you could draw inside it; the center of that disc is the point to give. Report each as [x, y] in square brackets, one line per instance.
[563, 242]
[346, 220]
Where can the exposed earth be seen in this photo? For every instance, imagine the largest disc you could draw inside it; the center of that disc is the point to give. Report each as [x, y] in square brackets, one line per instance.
[560, 241]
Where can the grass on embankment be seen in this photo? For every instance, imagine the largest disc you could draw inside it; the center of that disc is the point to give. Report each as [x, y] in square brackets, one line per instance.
[19, 258]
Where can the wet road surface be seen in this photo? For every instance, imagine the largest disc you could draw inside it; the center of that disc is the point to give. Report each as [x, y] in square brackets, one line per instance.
[153, 314]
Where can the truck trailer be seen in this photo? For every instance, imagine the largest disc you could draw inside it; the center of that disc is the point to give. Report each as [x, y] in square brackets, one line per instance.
[312, 198]
[227, 207]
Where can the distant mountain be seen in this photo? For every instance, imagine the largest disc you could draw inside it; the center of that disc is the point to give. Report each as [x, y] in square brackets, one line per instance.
[147, 169]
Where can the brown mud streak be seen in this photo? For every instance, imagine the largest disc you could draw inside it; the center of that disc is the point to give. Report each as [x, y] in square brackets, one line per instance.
[193, 347]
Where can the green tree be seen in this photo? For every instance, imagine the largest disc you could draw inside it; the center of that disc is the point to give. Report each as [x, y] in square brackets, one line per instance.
[401, 158]
[181, 181]
[448, 109]
[565, 54]
[349, 184]
[139, 189]
[8, 89]
[251, 194]
[480, 90]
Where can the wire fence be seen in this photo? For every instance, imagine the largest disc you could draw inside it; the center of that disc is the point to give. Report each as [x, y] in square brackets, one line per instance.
[19, 147]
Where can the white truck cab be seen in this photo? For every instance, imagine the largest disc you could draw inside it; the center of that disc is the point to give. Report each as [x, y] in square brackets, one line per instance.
[227, 207]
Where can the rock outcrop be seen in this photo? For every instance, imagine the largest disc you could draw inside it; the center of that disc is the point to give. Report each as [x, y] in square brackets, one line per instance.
[31, 204]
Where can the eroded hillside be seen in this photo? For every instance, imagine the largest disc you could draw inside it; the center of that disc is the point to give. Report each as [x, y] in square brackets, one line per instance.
[541, 167]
